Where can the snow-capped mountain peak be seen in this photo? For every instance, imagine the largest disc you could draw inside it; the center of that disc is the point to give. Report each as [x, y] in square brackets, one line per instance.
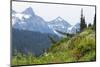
[59, 19]
[27, 20]
[59, 24]
[28, 10]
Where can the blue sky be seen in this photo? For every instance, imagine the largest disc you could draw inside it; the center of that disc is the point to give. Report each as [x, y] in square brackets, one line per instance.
[48, 12]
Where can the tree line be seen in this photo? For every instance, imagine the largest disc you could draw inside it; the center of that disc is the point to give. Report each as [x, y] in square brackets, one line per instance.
[83, 24]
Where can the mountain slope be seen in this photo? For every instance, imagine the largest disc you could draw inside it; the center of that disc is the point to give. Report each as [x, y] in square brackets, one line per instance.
[74, 29]
[28, 41]
[27, 20]
[59, 24]
[80, 47]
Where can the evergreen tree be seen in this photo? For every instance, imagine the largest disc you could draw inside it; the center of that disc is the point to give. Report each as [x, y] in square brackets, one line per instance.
[89, 25]
[94, 24]
[82, 21]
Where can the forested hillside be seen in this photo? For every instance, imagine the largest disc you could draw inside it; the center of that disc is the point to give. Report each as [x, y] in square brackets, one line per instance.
[80, 47]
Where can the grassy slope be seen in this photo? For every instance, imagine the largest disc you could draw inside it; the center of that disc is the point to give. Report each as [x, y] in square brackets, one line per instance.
[81, 47]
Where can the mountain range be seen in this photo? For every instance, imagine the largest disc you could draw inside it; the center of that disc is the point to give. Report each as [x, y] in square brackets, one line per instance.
[30, 33]
[28, 20]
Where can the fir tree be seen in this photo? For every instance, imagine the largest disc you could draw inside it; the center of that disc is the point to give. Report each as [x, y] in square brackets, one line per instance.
[89, 25]
[94, 24]
[82, 21]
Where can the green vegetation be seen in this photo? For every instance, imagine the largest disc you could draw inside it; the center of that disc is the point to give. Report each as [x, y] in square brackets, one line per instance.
[72, 48]
[80, 47]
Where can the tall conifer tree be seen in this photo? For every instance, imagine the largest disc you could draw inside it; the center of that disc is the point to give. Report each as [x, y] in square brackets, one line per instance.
[82, 21]
[94, 22]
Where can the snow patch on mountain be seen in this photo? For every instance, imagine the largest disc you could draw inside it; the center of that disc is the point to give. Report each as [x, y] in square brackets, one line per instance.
[74, 29]
[27, 20]
[59, 24]
[59, 19]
